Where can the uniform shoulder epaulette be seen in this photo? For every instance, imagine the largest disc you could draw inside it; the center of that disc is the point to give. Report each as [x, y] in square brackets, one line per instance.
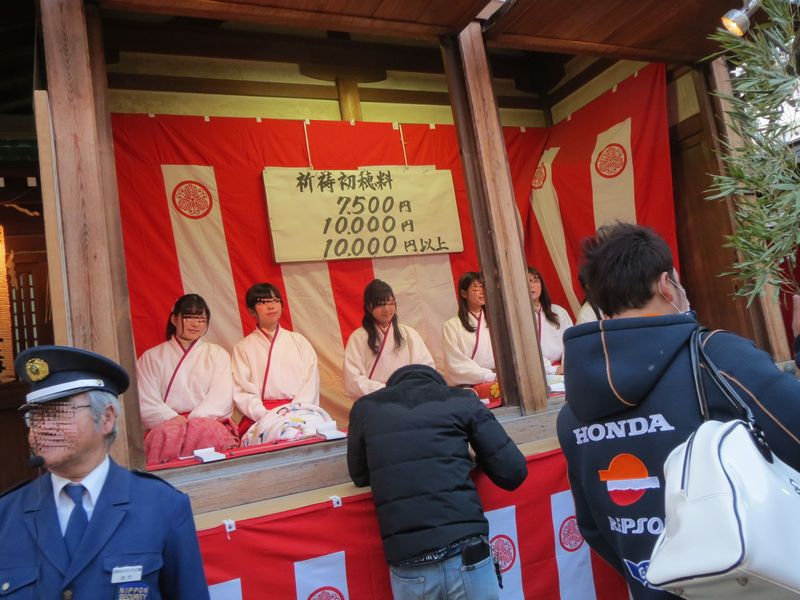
[148, 474]
[15, 487]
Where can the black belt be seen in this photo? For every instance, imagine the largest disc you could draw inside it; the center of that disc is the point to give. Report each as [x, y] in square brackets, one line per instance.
[473, 550]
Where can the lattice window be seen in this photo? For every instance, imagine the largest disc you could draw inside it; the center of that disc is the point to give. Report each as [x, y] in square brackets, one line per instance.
[24, 313]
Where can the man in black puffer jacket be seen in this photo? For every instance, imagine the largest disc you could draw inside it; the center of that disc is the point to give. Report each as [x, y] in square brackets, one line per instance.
[410, 442]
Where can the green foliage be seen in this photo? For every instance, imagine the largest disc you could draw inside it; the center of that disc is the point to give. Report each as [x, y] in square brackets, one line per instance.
[762, 179]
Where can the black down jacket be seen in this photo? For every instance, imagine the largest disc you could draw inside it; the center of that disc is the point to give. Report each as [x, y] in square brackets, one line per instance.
[410, 441]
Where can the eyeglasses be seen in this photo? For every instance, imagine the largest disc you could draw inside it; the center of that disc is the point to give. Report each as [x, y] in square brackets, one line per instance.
[385, 303]
[268, 301]
[476, 287]
[201, 319]
[60, 412]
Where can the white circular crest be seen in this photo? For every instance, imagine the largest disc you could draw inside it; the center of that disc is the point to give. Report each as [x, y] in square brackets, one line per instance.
[611, 161]
[192, 199]
[569, 536]
[504, 551]
[539, 177]
[326, 593]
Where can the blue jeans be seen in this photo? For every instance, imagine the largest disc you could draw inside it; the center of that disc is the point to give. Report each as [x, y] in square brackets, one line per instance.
[447, 579]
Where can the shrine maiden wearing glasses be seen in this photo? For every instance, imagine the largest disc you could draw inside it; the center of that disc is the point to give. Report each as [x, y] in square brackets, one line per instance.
[552, 321]
[381, 346]
[185, 378]
[271, 366]
[468, 357]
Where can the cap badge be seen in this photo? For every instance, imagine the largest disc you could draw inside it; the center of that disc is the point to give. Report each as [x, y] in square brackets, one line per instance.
[37, 369]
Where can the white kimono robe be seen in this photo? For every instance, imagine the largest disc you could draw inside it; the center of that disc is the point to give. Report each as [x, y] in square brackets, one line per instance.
[359, 360]
[202, 385]
[293, 372]
[586, 314]
[464, 363]
[551, 336]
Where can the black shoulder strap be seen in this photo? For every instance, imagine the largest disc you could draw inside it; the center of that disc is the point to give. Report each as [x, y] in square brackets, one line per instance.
[694, 355]
[740, 408]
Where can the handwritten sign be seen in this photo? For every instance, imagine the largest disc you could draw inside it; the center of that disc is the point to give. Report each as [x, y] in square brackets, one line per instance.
[373, 211]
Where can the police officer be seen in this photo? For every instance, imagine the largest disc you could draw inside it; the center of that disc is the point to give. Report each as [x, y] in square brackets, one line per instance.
[90, 528]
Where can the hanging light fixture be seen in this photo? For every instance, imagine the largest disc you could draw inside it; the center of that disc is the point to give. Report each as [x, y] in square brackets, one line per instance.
[737, 20]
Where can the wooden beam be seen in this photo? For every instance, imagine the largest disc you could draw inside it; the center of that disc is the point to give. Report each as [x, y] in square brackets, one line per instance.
[18, 127]
[226, 10]
[496, 224]
[545, 44]
[80, 186]
[765, 311]
[238, 87]
[116, 252]
[595, 69]
[228, 87]
[184, 40]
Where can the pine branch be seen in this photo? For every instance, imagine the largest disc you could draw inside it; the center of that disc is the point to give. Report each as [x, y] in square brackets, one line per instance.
[762, 178]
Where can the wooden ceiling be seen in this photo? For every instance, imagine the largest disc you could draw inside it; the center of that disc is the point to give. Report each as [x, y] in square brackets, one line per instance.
[529, 40]
[655, 30]
[422, 19]
[652, 30]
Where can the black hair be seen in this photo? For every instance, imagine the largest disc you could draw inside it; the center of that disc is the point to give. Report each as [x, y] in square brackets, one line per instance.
[464, 283]
[621, 263]
[188, 304]
[378, 291]
[261, 290]
[544, 298]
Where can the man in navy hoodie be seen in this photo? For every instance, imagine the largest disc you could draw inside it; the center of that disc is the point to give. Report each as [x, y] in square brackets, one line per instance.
[631, 398]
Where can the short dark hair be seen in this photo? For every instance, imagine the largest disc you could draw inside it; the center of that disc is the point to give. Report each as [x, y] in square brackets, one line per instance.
[261, 290]
[621, 263]
[188, 304]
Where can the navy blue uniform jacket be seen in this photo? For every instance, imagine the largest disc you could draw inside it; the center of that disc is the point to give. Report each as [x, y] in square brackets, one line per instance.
[139, 520]
[630, 401]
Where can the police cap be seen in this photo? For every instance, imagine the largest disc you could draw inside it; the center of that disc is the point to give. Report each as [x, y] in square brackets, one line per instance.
[56, 372]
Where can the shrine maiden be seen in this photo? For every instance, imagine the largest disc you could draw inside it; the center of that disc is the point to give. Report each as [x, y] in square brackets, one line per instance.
[271, 366]
[185, 378]
[468, 357]
[381, 345]
[551, 320]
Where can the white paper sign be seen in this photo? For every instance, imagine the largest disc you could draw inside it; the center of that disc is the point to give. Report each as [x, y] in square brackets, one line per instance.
[369, 212]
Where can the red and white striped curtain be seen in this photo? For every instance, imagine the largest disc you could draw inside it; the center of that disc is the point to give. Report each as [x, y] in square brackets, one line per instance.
[194, 213]
[608, 161]
[322, 552]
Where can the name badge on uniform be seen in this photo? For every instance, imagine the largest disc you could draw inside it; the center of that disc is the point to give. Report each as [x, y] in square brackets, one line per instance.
[133, 591]
[126, 574]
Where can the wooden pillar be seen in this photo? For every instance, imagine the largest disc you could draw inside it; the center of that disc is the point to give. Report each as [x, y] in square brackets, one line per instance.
[116, 251]
[349, 101]
[91, 272]
[56, 270]
[765, 311]
[495, 219]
